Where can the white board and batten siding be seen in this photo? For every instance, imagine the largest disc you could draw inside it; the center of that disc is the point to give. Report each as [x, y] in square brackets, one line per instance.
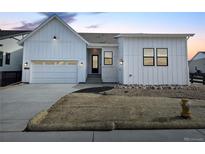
[135, 73]
[110, 72]
[16, 54]
[67, 46]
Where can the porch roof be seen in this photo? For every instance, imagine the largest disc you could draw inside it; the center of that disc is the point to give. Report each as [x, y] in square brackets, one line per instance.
[100, 38]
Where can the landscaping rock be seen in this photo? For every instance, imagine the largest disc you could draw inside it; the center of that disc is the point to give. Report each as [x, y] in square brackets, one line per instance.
[192, 91]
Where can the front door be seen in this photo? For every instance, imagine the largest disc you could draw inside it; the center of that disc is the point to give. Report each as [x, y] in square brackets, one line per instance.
[95, 65]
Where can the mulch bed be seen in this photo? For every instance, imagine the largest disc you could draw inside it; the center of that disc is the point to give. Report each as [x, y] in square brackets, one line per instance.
[94, 90]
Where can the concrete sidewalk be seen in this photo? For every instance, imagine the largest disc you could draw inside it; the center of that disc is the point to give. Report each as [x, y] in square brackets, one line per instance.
[188, 135]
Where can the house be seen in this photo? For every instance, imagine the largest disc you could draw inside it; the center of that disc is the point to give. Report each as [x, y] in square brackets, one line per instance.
[11, 56]
[55, 53]
[197, 63]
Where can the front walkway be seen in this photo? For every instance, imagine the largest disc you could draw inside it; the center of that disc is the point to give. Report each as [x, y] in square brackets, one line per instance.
[90, 85]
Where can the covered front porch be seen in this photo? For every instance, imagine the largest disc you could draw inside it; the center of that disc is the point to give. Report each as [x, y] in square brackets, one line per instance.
[101, 63]
[94, 63]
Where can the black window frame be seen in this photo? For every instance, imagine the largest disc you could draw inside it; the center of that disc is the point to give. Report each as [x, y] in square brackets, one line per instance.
[161, 57]
[1, 59]
[7, 58]
[153, 57]
[108, 58]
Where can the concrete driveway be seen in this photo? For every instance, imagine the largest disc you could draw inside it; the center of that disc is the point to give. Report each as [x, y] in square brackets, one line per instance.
[20, 103]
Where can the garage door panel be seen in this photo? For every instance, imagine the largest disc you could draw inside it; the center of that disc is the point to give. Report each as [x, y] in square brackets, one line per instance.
[54, 73]
[54, 69]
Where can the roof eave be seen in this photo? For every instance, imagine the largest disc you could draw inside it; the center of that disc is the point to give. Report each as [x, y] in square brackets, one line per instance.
[90, 45]
[155, 35]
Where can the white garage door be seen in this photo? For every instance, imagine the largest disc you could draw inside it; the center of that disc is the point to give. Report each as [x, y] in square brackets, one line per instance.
[54, 71]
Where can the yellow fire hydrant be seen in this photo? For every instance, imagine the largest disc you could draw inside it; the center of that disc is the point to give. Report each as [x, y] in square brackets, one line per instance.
[185, 104]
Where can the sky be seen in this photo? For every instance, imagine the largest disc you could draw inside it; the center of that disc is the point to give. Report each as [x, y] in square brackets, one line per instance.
[119, 23]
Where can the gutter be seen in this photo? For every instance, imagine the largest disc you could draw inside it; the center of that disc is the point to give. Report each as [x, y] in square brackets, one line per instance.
[90, 45]
[154, 35]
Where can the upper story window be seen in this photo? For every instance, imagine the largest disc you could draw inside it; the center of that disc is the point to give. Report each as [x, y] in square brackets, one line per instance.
[108, 58]
[148, 56]
[8, 57]
[162, 57]
[1, 58]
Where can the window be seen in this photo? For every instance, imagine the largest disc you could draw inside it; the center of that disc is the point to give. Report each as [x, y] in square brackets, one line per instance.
[148, 56]
[1, 58]
[108, 57]
[162, 57]
[8, 56]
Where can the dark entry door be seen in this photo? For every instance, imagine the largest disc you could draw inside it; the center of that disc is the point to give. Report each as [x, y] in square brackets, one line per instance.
[95, 65]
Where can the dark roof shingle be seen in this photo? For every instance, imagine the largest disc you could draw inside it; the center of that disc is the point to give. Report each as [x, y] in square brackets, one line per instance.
[105, 38]
[11, 33]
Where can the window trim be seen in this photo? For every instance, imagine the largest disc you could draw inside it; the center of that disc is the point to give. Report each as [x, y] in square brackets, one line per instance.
[108, 58]
[161, 57]
[7, 61]
[153, 57]
[1, 64]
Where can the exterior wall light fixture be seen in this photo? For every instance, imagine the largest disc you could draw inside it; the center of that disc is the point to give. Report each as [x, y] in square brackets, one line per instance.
[81, 64]
[121, 61]
[54, 38]
[26, 64]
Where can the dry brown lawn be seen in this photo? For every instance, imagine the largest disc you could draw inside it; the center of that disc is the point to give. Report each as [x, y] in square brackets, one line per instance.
[87, 111]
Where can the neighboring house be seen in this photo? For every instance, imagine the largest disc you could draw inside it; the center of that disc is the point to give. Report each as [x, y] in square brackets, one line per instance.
[11, 55]
[197, 63]
[55, 53]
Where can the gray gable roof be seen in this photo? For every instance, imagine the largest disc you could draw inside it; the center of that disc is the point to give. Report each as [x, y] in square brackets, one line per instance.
[12, 33]
[105, 38]
[199, 55]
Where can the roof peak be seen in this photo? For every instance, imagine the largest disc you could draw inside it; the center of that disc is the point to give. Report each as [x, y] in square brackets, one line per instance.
[46, 21]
